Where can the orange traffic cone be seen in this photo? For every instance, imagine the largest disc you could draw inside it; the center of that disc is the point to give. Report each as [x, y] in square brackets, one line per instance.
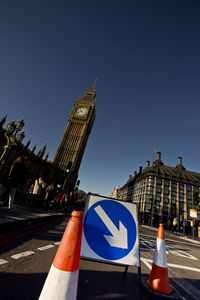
[62, 280]
[159, 280]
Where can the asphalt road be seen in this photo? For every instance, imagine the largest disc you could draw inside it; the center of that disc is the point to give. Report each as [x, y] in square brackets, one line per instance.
[25, 262]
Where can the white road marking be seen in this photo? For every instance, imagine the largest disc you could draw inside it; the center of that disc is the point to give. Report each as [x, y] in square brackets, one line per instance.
[22, 254]
[151, 244]
[27, 253]
[45, 247]
[187, 241]
[179, 252]
[2, 261]
[144, 260]
[57, 243]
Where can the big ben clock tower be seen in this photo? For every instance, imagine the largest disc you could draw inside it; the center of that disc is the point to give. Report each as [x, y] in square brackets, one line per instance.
[77, 131]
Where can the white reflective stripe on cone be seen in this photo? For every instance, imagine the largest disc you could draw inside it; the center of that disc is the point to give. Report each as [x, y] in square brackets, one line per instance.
[60, 285]
[160, 258]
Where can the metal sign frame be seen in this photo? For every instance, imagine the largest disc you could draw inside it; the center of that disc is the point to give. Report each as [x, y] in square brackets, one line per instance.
[126, 204]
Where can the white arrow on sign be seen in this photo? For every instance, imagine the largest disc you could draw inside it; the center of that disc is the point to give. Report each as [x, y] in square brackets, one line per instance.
[119, 237]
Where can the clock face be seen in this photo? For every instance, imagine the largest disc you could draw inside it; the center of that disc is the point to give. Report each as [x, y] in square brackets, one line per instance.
[81, 111]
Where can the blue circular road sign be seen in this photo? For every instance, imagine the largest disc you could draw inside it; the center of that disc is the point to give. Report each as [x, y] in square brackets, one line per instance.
[103, 221]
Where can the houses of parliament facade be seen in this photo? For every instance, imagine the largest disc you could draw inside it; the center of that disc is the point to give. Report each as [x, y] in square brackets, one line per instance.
[70, 149]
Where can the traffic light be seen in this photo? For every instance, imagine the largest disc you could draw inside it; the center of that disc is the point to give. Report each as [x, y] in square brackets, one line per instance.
[68, 167]
[67, 174]
[77, 184]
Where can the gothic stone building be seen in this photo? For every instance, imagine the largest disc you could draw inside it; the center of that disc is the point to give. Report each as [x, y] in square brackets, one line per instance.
[163, 192]
[71, 148]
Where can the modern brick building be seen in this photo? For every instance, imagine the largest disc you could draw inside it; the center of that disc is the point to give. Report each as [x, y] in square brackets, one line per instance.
[163, 192]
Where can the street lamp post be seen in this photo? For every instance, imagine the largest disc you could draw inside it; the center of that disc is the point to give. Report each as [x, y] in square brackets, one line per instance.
[12, 137]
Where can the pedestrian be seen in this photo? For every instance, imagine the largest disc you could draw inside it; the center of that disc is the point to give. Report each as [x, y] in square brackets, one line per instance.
[69, 203]
[50, 194]
[4, 194]
[38, 191]
[77, 202]
[174, 225]
[17, 176]
[187, 229]
[28, 191]
[59, 199]
[184, 226]
[169, 223]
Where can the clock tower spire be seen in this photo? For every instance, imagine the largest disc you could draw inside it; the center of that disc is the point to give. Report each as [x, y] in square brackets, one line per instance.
[92, 91]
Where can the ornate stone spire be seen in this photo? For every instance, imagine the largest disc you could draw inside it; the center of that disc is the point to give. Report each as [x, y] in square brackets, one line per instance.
[3, 120]
[91, 91]
[28, 143]
[33, 149]
[42, 151]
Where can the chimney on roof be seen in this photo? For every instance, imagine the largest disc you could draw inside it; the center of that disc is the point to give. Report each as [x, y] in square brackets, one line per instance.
[135, 173]
[147, 164]
[179, 161]
[158, 155]
[130, 176]
[140, 169]
[158, 162]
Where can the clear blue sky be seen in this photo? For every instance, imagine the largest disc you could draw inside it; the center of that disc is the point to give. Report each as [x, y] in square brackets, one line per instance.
[146, 56]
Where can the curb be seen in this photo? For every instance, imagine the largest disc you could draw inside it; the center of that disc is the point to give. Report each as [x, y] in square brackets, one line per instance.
[7, 227]
[157, 295]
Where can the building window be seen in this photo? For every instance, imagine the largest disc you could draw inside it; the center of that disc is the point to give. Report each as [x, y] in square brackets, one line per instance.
[158, 189]
[173, 210]
[166, 182]
[159, 180]
[174, 185]
[165, 209]
[173, 194]
[166, 190]
[158, 197]
[173, 200]
[166, 199]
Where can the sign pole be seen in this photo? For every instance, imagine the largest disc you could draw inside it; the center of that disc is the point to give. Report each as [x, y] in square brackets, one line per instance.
[193, 215]
[139, 268]
[125, 271]
[139, 283]
[193, 228]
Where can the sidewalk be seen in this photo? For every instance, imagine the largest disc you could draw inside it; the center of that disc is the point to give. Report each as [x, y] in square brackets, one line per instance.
[23, 215]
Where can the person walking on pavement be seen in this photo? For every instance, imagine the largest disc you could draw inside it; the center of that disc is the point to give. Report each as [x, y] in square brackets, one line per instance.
[169, 223]
[50, 194]
[38, 189]
[184, 226]
[187, 228]
[16, 177]
[69, 203]
[174, 225]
